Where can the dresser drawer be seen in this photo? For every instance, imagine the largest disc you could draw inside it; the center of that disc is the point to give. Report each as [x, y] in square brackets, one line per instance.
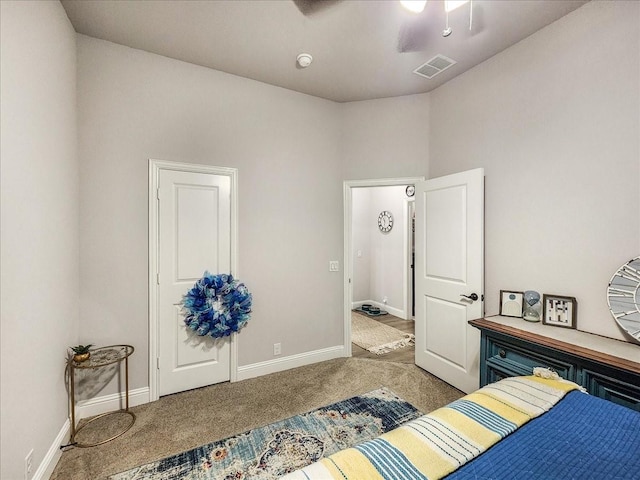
[612, 389]
[607, 368]
[498, 372]
[521, 360]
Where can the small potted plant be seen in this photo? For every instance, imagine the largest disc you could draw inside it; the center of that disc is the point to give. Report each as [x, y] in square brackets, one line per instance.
[81, 353]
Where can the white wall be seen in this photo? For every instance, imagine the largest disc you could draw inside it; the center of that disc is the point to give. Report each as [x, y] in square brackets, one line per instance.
[385, 138]
[380, 271]
[388, 249]
[361, 242]
[562, 104]
[554, 120]
[39, 226]
[133, 106]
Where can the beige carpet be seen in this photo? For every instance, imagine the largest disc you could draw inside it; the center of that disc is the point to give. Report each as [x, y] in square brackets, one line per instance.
[176, 423]
[377, 337]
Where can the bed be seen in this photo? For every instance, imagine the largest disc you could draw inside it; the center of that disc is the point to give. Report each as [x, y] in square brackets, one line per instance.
[518, 428]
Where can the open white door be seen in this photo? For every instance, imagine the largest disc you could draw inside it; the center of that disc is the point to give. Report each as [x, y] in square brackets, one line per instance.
[194, 235]
[449, 271]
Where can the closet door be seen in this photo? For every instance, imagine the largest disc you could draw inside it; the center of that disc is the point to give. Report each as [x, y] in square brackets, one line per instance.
[194, 236]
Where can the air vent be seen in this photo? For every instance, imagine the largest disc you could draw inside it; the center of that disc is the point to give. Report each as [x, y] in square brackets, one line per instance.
[433, 67]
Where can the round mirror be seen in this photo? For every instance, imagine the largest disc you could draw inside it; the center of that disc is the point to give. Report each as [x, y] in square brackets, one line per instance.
[623, 297]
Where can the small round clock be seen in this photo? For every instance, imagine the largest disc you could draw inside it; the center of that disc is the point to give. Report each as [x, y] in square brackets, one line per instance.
[385, 221]
[623, 297]
[410, 190]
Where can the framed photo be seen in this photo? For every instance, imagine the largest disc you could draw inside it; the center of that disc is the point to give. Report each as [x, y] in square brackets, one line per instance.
[511, 303]
[559, 311]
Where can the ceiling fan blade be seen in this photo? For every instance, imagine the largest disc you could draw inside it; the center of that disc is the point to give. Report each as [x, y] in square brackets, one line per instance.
[310, 7]
[413, 36]
[476, 18]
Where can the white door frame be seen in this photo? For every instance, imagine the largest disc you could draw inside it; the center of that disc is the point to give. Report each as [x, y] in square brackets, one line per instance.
[348, 185]
[155, 166]
[408, 287]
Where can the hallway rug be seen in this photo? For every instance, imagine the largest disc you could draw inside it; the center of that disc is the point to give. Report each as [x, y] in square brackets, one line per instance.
[377, 337]
[279, 448]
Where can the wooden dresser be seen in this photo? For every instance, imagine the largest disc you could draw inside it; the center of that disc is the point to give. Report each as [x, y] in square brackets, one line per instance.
[607, 368]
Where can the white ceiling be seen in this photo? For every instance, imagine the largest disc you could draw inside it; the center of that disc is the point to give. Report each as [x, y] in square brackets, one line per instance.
[356, 45]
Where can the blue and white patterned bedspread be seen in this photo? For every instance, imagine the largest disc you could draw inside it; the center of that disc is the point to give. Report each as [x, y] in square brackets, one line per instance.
[582, 437]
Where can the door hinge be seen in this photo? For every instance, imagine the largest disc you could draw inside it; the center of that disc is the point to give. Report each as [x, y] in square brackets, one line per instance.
[158, 363]
[157, 279]
[158, 193]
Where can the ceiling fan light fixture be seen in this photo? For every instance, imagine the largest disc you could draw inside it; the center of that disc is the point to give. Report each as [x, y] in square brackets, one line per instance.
[450, 5]
[415, 6]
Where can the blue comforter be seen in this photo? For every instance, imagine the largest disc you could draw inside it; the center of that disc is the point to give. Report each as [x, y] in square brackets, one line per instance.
[583, 437]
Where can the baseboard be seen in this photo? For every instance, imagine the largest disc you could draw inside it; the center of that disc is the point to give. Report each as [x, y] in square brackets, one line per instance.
[393, 311]
[108, 403]
[50, 460]
[292, 361]
[355, 305]
[140, 396]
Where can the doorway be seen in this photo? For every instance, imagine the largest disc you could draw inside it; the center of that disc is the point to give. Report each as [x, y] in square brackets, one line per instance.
[363, 256]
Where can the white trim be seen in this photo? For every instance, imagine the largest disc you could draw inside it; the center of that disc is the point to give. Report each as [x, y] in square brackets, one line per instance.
[154, 174]
[383, 182]
[348, 185]
[233, 366]
[408, 203]
[299, 360]
[51, 458]
[348, 268]
[358, 304]
[111, 402]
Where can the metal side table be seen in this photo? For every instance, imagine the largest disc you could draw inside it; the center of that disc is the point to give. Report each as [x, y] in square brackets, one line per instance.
[100, 357]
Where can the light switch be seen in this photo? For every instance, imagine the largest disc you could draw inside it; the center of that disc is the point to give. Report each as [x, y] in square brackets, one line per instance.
[334, 266]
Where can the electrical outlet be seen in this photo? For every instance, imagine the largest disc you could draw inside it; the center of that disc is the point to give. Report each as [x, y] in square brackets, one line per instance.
[28, 465]
[384, 300]
[334, 266]
[277, 348]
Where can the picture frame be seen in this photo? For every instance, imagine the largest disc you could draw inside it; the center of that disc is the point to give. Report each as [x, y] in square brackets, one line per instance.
[511, 303]
[559, 311]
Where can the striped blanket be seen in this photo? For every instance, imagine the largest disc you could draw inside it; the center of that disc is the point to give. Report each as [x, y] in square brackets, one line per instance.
[434, 445]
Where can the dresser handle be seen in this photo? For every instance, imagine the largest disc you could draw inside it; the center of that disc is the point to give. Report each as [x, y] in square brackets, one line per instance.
[502, 353]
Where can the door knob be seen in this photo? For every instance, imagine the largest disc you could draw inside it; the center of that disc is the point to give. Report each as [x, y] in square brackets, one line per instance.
[473, 297]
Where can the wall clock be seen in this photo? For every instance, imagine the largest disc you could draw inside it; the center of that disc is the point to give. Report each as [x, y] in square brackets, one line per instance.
[623, 297]
[385, 221]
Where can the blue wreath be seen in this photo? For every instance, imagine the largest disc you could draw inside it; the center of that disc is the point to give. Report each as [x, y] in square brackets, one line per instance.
[217, 305]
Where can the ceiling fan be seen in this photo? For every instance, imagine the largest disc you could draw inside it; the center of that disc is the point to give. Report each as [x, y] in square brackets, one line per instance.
[309, 7]
[413, 35]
